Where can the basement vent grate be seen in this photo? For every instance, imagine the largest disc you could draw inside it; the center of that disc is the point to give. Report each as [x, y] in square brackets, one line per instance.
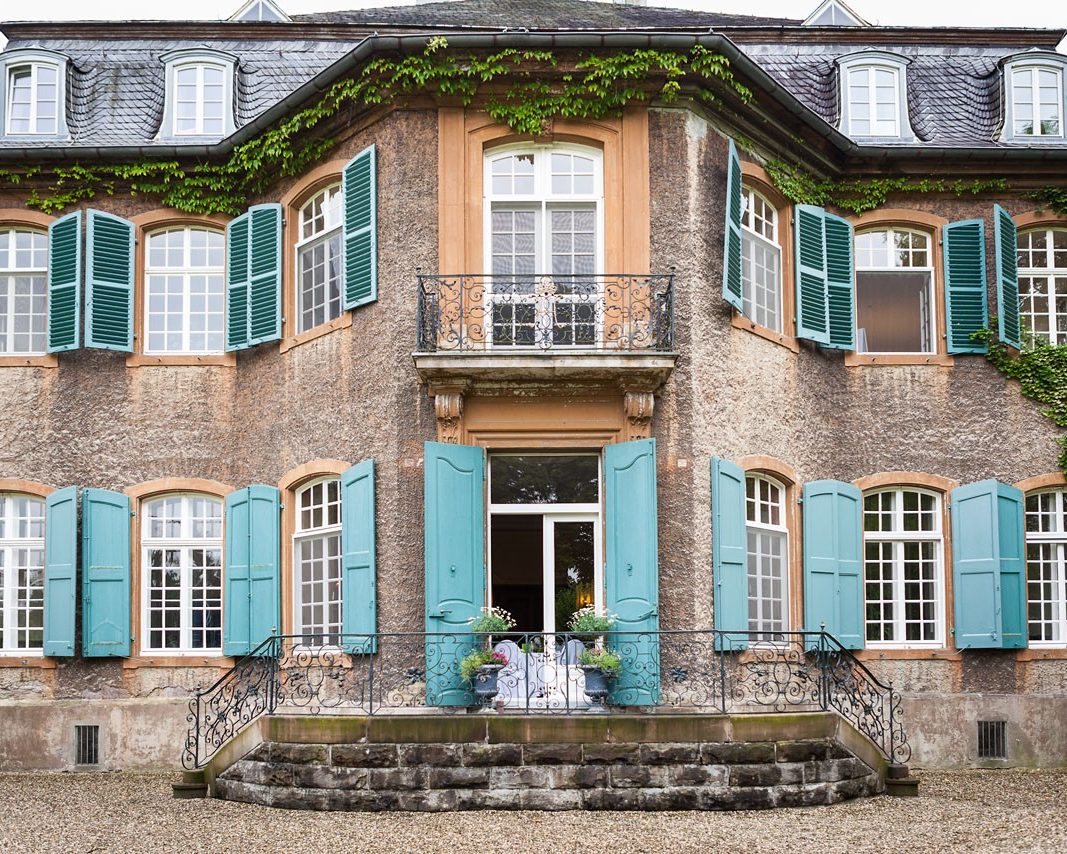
[86, 745]
[992, 740]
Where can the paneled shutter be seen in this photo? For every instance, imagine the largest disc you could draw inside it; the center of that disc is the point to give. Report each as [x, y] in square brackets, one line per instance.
[840, 283]
[109, 282]
[731, 264]
[252, 576]
[454, 505]
[631, 572]
[106, 573]
[65, 283]
[360, 191]
[811, 276]
[989, 566]
[60, 570]
[729, 550]
[237, 282]
[1005, 241]
[965, 284]
[357, 550]
[833, 560]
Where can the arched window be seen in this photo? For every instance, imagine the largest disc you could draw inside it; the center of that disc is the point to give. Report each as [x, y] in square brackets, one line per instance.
[903, 567]
[33, 98]
[761, 261]
[181, 542]
[317, 563]
[894, 291]
[21, 573]
[185, 291]
[23, 291]
[199, 99]
[1043, 282]
[768, 554]
[1046, 567]
[318, 260]
[1036, 100]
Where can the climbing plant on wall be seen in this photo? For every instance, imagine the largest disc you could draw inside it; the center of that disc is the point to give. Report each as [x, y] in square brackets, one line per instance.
[524, 89]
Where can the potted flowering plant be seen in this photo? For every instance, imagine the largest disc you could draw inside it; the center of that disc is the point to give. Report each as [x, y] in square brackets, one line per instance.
[601, 667]
[481, 667]
[587, 624]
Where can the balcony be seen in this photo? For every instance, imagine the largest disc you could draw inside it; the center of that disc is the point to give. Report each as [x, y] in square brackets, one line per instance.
[603, 327]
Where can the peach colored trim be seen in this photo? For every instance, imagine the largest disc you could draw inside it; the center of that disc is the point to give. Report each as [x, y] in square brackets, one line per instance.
[222, 662]
[49, 360]
[28, 661]
[1041, 653]
[17, 217]
[144, 223]
[21, 216]
[138, 494]
[930, 223]
[938, 654]
[320, 177]
[25, 487]
[906, 478]
[1041, 481]
[290, 482]
[1033, 219]
[771, 465]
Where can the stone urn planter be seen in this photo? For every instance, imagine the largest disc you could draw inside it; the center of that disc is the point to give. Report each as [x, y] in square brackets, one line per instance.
[485, 681]
[597, 682]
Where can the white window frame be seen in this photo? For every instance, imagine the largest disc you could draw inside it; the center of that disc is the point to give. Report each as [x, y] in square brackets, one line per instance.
[35, 58]
[1033, 62]
[300, 535]
[780, 530]
[181, 59]
[1049, 272]
[9, 545]
[898, 538]
[8, 275]
[185, 270]
[751, 238]
[932, 290]
[874, 61]
[1057, 539]
[331, 230]
[185, 544]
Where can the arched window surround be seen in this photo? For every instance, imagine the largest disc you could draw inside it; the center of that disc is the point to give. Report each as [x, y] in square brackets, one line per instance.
[27, 219]
[33, 657]
[1033, 61]
[200, 57]
[11, 59]
[849, 68]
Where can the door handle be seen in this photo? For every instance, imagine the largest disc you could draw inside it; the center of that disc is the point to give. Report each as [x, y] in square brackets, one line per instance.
[653, 613]
[440, 612]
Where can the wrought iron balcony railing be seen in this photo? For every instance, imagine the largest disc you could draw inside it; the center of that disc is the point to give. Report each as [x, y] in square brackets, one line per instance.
[604, 313]
[685, 671]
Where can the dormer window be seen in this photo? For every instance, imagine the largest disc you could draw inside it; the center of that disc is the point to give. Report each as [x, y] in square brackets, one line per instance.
[34, 90]
[874, 96]
[1037, 101]
[199, 94]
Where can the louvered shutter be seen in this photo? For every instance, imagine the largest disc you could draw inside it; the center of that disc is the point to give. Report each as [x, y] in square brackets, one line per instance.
[60, 571]
[359, 187]
[109, 282]
[237, 282]
[358, 606]
[65, 283]
[731, 265]
[106, 573]
[833, 560]
[811, 276]
[965, 284]
[1005, 241]
[254, 277]
[729, 551]
[840, 282]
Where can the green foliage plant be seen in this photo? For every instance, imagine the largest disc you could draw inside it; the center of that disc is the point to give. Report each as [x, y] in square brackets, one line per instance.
[607, 660]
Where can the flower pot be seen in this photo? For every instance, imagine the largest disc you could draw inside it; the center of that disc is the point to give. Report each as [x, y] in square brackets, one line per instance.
[597, 682]
[485, 681]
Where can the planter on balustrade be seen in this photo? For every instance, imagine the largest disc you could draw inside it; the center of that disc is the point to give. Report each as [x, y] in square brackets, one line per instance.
[597, 682]
[485, 681]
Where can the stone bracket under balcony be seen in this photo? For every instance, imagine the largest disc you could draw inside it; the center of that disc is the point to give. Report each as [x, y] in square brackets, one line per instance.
[639, 370]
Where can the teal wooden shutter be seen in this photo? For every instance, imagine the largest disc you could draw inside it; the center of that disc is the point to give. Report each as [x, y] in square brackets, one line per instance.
[811, 275]
[252, 577]
[833, 560]
[840, 283]
[729, 550]
[1005, 240]
[454, 505]
[966, 310]
[631, 572]
[357, 550]
[106, 573]
[989, 566]
[109, 282]
[60, 570]
[731, 264]
[359, 185]
[65, 283]
[237, 282]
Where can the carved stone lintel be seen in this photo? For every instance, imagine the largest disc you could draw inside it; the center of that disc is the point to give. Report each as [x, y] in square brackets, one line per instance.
[449, 408]
[638, 406]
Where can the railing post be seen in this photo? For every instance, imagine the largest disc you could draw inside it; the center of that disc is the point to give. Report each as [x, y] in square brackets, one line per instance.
[196, 740]
[720, 643]
[272, 682]
[824, 675]
[892, 727]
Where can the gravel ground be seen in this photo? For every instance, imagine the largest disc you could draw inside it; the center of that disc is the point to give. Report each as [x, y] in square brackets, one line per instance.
[967, 811]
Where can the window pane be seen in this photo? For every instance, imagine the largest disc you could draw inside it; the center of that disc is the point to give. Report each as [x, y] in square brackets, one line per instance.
[893, 312]
[545, 479]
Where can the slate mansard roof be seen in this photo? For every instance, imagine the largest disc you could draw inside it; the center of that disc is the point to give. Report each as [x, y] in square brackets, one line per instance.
[116, 76]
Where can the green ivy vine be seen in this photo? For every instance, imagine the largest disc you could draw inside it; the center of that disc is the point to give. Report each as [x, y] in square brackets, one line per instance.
[1041, 370]
[516, 85]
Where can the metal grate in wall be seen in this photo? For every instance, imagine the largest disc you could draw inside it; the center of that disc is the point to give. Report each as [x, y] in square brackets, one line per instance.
[992, 740]
[87, 745]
